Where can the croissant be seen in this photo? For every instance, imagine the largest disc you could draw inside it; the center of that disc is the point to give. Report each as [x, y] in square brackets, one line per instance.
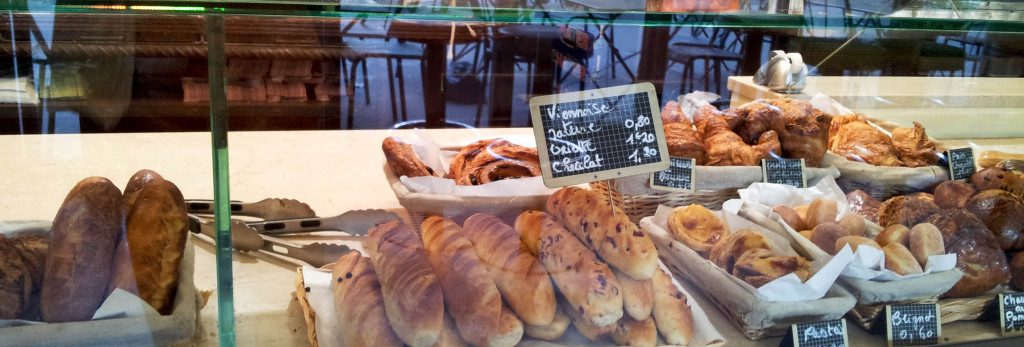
[914, 146]
[683, 142]
[859, 141]
[725, 148]
[838, 122]
[803, 130]
[491, 160]
[672, 114]
[757, 119]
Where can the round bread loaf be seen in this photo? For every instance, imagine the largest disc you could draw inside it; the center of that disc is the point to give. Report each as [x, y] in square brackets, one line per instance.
[953, 194]
[898, 259]
[825, 236]
[822, 210]
[997, 178]
[790, 216]
[854, 242]
[926, 241]
[1017, 271]
[906, 210]
[1003, 214]
[896, 233]
[978, 255]
[853, 225]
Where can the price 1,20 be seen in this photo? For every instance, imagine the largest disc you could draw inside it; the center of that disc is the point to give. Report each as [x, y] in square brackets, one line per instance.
[642, 136]
[648, 152]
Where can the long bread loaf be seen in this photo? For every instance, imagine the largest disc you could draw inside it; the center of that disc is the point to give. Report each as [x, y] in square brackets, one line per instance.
[470, 295]
[618, 241]
[588, 329]
[449, 334]
[359, 304]
[157, 229]
[587, 283]
[671, 313]
[632, 332]
[510, 330]
[637, 295]
[551, 331]
[412, 295]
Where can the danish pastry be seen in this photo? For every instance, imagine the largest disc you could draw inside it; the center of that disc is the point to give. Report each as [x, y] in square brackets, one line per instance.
[492, 160]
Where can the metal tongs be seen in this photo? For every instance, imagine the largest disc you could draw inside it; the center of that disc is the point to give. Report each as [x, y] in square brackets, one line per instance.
[246, 239]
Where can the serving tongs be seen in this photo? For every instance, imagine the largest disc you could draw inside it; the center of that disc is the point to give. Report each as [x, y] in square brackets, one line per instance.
[246, 239]
[271, 208]
[355, 222]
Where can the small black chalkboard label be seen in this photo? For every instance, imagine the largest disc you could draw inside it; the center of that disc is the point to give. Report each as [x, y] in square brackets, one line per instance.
[913, 325]
[961, 163]
[784, 171]
[598, 134]
[678, 177]
[831, 333]
[1011, 314]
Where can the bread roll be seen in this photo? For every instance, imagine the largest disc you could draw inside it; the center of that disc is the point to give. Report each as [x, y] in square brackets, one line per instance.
[896, 233]
[79, 262]
[412, 295]
[822, 210]
[551, 331]
[359, 304]
[790, 216]
[637, 295]
[586, 282]
[809, 234]
[1003, 214]
[926, 241]
[801, 211]
[953, 194]
[519, 276]
[898, 259]
[697, 228]
[618, 241]
[585, 326]
[157, 228]
[510, 330]
[854, 242]
[15, 281]
[672, 315]
[853, 225]
[631, 332]
[825, 236]
[470, 295]
[998, 178]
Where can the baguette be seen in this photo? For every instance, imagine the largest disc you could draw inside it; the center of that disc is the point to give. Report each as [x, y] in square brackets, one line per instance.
[412, 295]
[618, 241]
[551, 331]
[587, 328]
[470, 295]
[124, 274]
[637, 296]
[510, 330]
[78, 264]
[157, 228]
[587, 283]
[520, 277]
[631, 332]
[359, 304]
[672, 315]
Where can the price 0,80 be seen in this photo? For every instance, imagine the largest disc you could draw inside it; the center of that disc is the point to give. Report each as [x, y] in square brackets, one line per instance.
[640, 122]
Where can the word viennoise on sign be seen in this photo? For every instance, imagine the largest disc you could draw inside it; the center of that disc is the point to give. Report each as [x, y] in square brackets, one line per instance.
[599, 134]
[913, 325]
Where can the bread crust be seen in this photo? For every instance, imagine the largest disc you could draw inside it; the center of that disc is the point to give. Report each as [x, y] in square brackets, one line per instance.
[359, 304]
[672, 315]
[157, 229]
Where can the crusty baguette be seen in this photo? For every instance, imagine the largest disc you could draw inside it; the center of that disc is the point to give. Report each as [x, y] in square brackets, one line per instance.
[631, 332]
[587, 328]
[82, 241]
[586, 282]
[551, 331]
[637, 295]
[157, 228]
[470, 295]
[510, 330]
[671, 313]
[412, 295]
[520, 277]
[135, 184]
[618, 241]
[359, 304]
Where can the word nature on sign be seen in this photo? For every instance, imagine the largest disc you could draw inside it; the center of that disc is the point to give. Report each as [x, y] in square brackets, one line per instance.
[678, 176]
[784, 171]
[961, 163]
[912, 325]
[830, 333]
[1011, 314]
[598, 134]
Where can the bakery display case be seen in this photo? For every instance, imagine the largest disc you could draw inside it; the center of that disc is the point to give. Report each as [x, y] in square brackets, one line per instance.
[511, 172]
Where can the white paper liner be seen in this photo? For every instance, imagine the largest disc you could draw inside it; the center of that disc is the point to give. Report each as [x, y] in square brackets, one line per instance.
[785, 288]
[869, 264]
[321, 300]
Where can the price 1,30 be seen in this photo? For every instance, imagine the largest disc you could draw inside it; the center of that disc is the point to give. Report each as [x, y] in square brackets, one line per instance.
[648, 153]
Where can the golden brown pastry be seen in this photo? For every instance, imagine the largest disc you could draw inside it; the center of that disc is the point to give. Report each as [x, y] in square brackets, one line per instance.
[905, 210]
[519, 276]
[838, 122]
[157, 228]
[637, 295]
[861, 142]
[854, 242]
[822, 210]
[82, 241]
[790, 216]
[759, 266]
[412, 293]
[587, 283]
[926, 241]
[853, 224]
[898, 259]
[631, 332]
[725, 253]
[953, 194]
[915, 147]
[757, 119]
[588, 215]
[978, 255]
[470, 295]
[672, 315]
[492, 160]
[673, 114]
[863, 204]
[997, 178]
[683, 142]
[802, 130]
[697, 228]
[725, 148]
[825, 236]
[551, 331]
[15, 281]
[896, 233]
[1017, 271]
[402, 159]
[1003, 213]
[801, 210]
[587, 328]
[359, 304]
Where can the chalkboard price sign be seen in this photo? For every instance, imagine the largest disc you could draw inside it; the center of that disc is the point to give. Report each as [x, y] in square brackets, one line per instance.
[678, 177]
[961, 163]
[1011, 314]
[913, 325]
[784, 171]
[598, 134]
[830, 333]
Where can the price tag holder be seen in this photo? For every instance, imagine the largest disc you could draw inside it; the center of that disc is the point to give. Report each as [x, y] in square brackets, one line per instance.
[961, 163]
[1011, 314]
[784, 171]
[599, 134]
[678, 176]
[913, 325]
[825, 333]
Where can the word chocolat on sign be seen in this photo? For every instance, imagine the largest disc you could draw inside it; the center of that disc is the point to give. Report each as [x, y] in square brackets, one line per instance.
[961, 163]
[1011, 313]
[784, 171]
[825, 333]
[912, 325]
[679, 176]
